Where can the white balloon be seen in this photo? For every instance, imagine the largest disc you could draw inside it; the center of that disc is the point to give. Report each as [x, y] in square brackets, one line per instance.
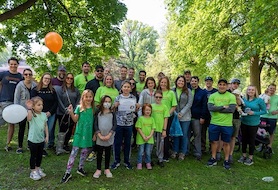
[14, 113]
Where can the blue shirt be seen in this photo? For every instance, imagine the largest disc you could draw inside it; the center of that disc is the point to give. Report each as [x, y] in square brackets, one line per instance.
[258, 106]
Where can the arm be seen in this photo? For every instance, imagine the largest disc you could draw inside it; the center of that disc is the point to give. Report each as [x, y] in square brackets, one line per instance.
[172, 109]
[229, 109]
[59, 98]
[213, 108]
[73, 116]
[17, 94]
[262, 109]
[165, 127]
[46, 132]
[188, 105]
[142, 134]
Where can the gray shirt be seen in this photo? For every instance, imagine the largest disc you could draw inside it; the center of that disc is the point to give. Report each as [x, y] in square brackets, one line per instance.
[104, 124]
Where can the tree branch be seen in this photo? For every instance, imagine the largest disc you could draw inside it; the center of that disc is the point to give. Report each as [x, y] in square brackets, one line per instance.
[17, 10]
[67, 11]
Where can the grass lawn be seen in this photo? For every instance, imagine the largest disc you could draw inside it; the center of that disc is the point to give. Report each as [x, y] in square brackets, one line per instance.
[187, 174]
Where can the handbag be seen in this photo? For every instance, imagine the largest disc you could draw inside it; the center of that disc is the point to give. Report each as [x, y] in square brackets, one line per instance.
[175, 128]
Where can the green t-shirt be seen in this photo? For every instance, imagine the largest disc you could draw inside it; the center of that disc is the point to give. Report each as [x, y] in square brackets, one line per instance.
[36, 132]
[273, 107]
[169, 99]
[179, 91]
[104, 90]
[140, 86]
[217, 99]
[159, 113]
[83, 136]
[80, 81]
[146, 125]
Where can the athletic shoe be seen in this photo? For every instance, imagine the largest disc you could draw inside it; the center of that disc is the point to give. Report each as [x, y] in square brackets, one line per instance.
[149, 166]
[212, 162]
[19, 151]
[66, 178]
[108, 174]
[67, 148]
[174, 155]
[91, 156]
[139, 166]
[81, 171]
[8, 148]
[226, 165]
[34, 175]
[115, 165]
[97, 174]
[242, 159]
[181, 156]
[41, 173]
[248, 162]
[44, 153]
[166, 160]
[161, 164]
[218, 156]
[128, 166]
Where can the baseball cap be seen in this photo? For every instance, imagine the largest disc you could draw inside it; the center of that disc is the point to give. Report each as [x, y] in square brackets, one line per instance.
[187, 72]
[208, 78]
[62, 68]
[223, 80]
[235, 80]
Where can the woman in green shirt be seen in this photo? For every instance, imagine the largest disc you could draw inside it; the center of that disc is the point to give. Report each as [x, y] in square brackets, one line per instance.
[169, 99]
[108, 89]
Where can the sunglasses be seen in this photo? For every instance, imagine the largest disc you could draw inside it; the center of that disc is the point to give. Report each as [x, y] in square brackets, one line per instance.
[28, 74]
[158, 97]
[99, 71]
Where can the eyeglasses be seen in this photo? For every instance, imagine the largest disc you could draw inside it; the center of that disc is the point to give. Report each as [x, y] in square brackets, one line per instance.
[158, 97]
[70, 78]
[47, 78]
[99, 71]
[28, 74]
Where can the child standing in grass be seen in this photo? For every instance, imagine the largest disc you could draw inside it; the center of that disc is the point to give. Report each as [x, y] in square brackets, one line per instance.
[83, 135]
[145, 127]
[105, 125]
[37, 136]
[160, 114]
[125, 105]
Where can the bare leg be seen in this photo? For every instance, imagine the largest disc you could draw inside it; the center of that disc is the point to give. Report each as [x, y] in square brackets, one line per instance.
[226, 148]
[10, 133]
[214, 146]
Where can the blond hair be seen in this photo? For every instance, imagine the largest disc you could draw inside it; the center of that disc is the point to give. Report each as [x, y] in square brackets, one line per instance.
[82, 103]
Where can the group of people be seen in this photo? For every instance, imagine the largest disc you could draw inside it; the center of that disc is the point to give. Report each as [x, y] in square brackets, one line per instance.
[106, 115]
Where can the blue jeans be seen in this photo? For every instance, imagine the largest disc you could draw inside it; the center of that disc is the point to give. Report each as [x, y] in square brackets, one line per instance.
[181, 143]
[51, 129]
[144, 148]
[122, 137]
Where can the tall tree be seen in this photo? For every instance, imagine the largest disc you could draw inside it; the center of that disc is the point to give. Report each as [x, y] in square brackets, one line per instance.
[89, 29]
[222, 35]
[138, 41]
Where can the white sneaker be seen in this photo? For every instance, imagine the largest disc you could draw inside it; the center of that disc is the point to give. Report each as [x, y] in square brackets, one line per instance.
[34, 175]
[41, 173]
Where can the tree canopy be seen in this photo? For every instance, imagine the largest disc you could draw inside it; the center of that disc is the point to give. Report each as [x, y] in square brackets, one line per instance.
[218, 37]
[137, 42]
[89, 29]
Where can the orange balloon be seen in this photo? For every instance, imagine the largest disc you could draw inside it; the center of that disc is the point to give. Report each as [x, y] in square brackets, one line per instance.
[53, 41]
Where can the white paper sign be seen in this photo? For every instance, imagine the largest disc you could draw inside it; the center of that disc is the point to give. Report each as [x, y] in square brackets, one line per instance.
[127, 105]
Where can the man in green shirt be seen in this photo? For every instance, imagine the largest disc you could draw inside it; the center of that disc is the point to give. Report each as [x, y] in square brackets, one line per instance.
[221, 105]
[81, 80]
[271, 117]
[141, 84]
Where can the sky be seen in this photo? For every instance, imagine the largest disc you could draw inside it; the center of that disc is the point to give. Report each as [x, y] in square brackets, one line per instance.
[151, 12]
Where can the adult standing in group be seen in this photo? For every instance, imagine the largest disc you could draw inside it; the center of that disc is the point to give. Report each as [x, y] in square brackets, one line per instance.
[61, 74]
[184, 99]
[131, 73]
[97, 82]
[21, 95]
[250, 123]
[123, 73]
[81, 80]
[141, 84]
[67, 95]
[235, 83]
[170, 101]
[9, 79]
[209, 90]
[198, 111]
[271, 117]
[46, 91]
[108, 89]
[221, 105]
[187, 76]
[107, 71]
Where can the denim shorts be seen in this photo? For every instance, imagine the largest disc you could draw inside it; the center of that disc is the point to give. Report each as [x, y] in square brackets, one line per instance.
[215, 131]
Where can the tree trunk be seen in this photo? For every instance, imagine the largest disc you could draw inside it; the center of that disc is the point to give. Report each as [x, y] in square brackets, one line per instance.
[255, 72]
